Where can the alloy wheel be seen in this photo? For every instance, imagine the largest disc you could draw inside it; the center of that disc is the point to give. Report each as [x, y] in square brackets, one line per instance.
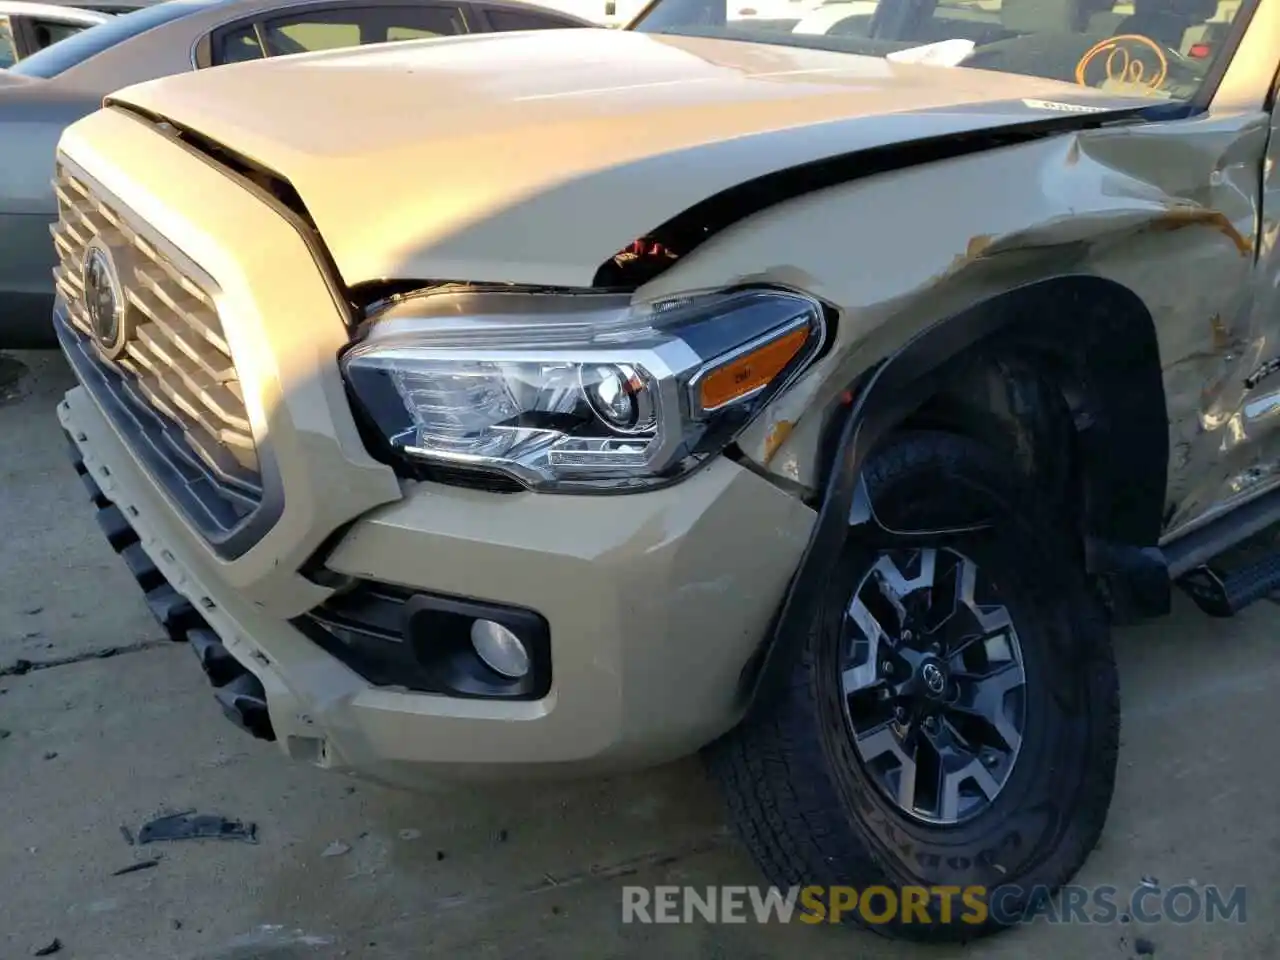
[933, 684]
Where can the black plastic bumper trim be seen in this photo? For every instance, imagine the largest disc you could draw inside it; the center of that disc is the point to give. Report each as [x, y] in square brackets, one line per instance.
[244, 703]
[239, 693]
[396, 637]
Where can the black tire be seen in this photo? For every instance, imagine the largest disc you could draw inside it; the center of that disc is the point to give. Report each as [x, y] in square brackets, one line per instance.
[801, 799]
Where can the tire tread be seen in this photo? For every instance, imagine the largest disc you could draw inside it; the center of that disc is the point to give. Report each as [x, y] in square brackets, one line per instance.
[772, 766]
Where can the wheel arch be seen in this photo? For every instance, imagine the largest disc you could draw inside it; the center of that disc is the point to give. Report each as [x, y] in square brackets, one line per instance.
[1084, 341]
[1070, 356]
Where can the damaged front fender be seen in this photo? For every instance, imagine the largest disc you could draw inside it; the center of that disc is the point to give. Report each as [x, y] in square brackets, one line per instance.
[1168, 211]
[1132, 248]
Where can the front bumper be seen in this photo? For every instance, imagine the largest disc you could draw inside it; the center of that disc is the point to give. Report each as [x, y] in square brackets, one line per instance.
[654, 602]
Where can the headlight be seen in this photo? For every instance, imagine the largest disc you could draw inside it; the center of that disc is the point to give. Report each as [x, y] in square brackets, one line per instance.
[573, 391]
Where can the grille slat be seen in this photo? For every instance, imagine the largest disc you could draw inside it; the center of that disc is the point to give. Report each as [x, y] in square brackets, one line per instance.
[174, 276]
[195, 349]
[189, 310]
[203, 385]
[175, 380]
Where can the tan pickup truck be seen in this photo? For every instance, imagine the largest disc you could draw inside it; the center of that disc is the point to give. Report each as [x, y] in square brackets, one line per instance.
[561, 402]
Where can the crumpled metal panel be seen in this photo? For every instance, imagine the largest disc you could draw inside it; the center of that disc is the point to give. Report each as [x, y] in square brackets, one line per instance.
[1172, 211]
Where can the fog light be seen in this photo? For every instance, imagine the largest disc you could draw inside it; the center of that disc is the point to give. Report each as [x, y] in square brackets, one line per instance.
[500, 649]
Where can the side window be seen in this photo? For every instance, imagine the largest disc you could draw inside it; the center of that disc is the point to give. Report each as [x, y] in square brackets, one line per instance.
[49, 32]
[507, 18]
[358, 26]
[238, 45]
[8, 49]
[989, 21]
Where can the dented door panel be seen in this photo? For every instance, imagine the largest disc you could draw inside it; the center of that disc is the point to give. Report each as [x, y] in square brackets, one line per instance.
[1211, 335]
[1245, 409]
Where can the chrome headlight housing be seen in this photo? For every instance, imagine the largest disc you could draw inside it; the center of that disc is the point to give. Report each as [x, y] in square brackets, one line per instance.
[586, 391]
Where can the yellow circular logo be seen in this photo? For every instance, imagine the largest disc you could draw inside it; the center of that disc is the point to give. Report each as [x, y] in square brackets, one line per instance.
[1129, 59]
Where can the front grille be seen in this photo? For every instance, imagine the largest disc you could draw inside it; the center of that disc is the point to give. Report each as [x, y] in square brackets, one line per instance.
[177, 355]
[171, 387]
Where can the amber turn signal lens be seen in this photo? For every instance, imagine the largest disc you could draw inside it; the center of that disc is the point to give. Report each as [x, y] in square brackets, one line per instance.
[749, 372]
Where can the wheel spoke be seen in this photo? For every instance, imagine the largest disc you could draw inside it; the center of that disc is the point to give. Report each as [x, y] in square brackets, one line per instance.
[866, 651]
[947, 597]
[949, 796]
[992, 618]
[881, 740]
[896, 582]
[893, 585]
[983, 697]
[907, 784]
[955, 654]
[887, 591]
[878, 741]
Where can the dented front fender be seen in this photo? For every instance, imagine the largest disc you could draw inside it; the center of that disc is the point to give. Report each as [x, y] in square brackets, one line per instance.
[1168, 210]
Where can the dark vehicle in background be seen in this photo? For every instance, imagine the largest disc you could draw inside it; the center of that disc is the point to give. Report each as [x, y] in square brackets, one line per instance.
[50, 89]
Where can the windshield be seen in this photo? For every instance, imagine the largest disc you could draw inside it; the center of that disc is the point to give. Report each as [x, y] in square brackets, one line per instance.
[1156, 48]
[76, 49]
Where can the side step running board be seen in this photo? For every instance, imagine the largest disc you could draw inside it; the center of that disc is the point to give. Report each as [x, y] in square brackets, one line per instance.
[1227, 593]
[1221, 591]
[1201, 545]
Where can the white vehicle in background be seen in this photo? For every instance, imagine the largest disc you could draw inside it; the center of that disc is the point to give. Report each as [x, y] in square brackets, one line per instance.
[771, 9]
[853, 18]
[618, 13]
[837, 17]
[606, 13]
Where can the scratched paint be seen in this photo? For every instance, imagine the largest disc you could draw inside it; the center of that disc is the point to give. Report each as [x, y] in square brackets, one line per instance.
[1171, 211]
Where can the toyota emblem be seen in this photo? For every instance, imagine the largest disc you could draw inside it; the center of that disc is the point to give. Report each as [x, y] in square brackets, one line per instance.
[934, 678]
[103, 298]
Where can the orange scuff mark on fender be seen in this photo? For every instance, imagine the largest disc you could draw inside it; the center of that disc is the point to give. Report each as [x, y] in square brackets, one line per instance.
[1221, 337]
[776, 437]
[977, 246]
[973, 250]
[1179, 217]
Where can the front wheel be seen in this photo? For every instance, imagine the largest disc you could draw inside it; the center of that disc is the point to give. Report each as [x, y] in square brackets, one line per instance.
[949, 734]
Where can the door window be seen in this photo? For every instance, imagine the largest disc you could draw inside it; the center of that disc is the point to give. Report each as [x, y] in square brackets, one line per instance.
[358, 26]
[48, 32]
[506, 18]
[239, 45]
[8, 49]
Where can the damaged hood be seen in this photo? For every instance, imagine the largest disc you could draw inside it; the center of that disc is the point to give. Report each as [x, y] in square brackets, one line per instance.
[535, 157]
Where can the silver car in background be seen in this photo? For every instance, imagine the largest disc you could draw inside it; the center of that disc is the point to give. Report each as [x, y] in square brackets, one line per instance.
[27, 28]
[45, 92]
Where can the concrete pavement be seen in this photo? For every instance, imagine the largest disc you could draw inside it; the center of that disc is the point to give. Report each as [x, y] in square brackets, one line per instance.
[88, 743]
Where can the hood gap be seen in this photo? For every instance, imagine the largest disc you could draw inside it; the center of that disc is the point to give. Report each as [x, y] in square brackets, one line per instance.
[272, 188]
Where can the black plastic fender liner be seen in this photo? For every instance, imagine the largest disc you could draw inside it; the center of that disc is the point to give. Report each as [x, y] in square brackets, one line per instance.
[899, 385]
[1124, 453]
